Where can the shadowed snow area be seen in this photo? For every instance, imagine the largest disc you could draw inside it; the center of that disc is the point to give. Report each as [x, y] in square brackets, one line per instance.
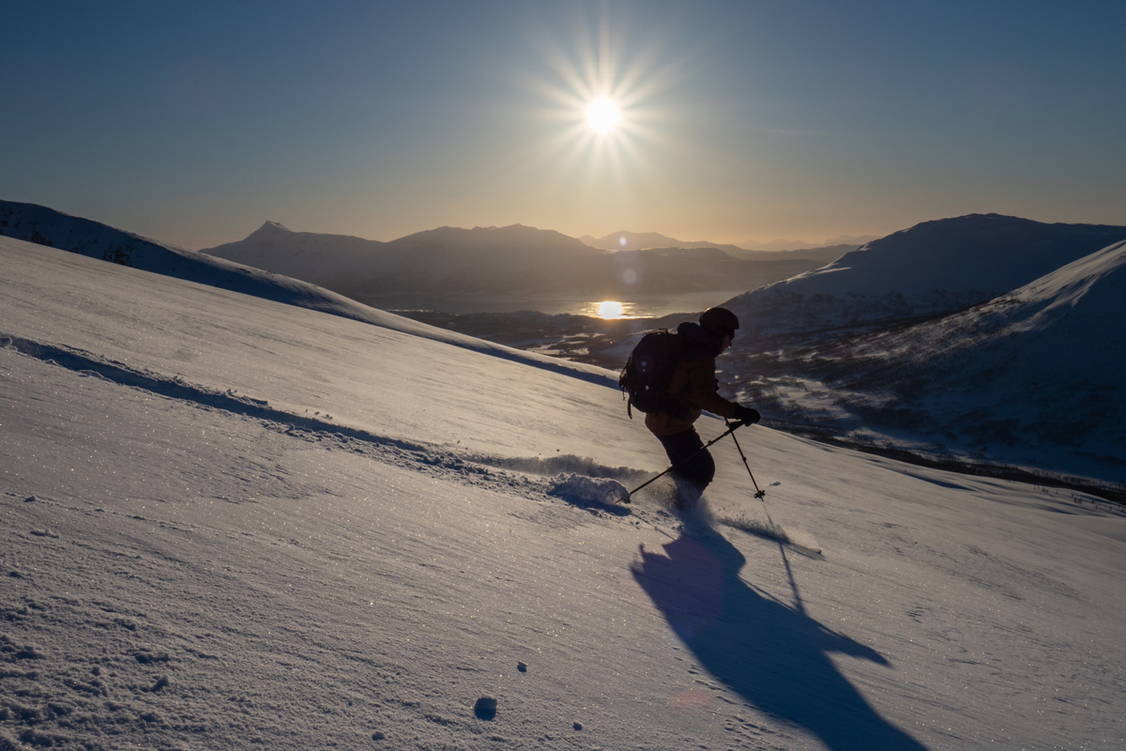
[229, 522]
[1031, 378]
[979, 341]
[932, 268]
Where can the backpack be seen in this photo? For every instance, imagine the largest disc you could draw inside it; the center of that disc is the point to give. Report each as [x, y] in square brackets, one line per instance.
[645, 378]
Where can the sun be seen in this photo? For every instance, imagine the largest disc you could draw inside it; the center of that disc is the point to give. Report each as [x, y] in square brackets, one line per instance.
[603, 115]
[604, 95]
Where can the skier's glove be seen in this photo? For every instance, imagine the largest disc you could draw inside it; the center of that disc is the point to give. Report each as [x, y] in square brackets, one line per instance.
[746, 415]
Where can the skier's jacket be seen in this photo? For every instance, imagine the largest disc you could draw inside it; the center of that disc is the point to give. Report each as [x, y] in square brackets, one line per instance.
[692, 385]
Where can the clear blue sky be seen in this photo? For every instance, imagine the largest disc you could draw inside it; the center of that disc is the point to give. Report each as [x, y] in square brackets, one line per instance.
[741, 121]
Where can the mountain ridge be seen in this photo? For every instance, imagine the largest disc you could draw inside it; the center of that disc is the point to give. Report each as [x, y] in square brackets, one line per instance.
[1030, 378]
[514, 260]
[627, 240]
[624, 241]
[932, 268]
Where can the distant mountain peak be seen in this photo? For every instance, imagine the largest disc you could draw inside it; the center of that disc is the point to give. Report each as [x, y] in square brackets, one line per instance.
[268, 229]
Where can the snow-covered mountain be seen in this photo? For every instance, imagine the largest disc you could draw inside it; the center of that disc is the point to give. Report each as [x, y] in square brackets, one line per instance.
[48, 227]
[930, 269]
[45, 226]
[1033, 377]
[228, 522]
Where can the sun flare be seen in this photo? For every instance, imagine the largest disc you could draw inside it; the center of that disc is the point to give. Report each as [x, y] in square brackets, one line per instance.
[603, 115]
[602, 96]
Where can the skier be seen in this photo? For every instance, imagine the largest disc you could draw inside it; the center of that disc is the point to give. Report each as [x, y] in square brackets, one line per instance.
[691, 388]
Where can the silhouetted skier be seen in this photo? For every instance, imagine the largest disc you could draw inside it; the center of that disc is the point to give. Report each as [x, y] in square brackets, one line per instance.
[691, 387]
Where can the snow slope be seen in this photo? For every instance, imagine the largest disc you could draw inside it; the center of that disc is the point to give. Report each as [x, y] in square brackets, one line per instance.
[48, 227]
[930, 269]
[232, 523]
[1033, 377]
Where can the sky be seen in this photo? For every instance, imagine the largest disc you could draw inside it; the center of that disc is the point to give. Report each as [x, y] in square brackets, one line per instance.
[746, 122]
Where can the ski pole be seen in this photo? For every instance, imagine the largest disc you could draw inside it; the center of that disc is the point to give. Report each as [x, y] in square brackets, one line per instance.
[760, 494]
[731, 428]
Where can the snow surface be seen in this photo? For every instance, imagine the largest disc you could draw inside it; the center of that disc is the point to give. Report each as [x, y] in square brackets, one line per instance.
[231, 523]
[46, 226]
[1032, 378]
[930, 269]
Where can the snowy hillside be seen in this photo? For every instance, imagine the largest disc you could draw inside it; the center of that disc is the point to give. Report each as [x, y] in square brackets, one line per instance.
[232, 523]
[45, 226]
[1033, 377]
[930, 269]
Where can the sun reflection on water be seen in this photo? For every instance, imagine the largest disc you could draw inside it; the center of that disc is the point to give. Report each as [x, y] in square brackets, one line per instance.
[610, 309]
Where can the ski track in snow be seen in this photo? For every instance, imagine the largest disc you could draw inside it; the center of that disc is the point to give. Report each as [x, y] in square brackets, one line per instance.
[550, 479]
[557, 478]
[505, 474]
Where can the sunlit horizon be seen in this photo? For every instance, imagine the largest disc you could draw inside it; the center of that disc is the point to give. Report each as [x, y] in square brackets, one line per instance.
[720, 121]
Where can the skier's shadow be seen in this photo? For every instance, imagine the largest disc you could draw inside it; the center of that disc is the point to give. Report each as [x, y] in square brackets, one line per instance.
[773, 655]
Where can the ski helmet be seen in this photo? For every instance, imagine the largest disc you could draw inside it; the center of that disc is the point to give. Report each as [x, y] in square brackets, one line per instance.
[719, 321]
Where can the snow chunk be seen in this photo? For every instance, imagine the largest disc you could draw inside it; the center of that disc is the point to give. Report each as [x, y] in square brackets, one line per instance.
[581, 490]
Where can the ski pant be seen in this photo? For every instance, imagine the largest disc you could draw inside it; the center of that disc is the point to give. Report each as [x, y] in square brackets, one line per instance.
[693, 466]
